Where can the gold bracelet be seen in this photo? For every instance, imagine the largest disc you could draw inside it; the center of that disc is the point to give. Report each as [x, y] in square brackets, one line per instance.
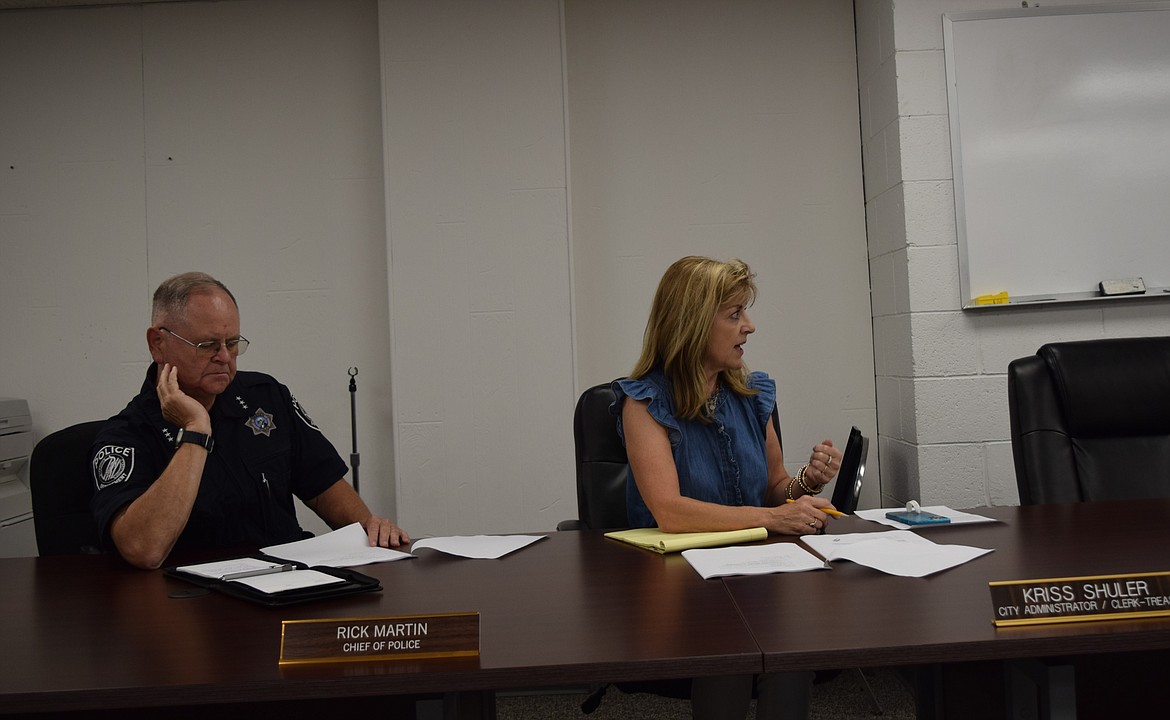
[804, 486]
[788, 490]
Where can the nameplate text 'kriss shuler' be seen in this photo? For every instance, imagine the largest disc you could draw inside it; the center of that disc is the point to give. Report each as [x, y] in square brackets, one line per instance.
[1077, 599]
[446, 635]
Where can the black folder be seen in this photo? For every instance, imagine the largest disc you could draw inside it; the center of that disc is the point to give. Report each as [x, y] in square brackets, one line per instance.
[353, 583]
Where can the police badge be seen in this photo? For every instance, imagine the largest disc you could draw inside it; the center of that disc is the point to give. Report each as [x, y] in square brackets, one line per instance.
[261, 423]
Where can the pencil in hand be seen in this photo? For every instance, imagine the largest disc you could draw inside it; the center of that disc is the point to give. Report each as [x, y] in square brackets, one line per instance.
[828, 511]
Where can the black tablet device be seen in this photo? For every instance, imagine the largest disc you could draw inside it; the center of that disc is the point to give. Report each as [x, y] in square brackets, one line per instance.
[848, 487]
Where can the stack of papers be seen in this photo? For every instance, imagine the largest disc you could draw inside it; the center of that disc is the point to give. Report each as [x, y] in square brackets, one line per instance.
[350, 546]
[226, 569]
[292, 580]
[344, 547]
[482, 547]
[895, 552]
[755, 560]
[658, 541]
[263, 575]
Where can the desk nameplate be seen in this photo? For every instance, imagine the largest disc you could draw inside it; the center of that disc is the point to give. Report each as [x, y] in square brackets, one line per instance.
[1080, 599]
[444, 635]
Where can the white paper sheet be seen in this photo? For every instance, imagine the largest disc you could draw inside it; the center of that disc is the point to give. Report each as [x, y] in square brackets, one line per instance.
[217, 570]
[828, 545]
[482, 547]
[344, 547]
[752, 560]
[895, 552]
[958, 517]
[291, 580]
[350, 546]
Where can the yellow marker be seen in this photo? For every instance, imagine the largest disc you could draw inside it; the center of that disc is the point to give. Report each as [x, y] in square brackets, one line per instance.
[999, 298]
[827, 511]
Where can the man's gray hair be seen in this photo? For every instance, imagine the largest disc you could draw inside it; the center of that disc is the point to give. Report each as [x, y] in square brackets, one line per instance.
[171, 297]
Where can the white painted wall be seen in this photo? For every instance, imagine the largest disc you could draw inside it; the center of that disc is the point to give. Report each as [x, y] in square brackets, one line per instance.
[941, 373]
[477, 237]
[238, 138]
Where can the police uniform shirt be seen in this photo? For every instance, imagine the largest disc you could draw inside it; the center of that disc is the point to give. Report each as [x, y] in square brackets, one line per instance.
[266, 450]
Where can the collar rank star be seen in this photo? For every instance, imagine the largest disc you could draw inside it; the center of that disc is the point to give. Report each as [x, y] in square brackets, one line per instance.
[261, 423]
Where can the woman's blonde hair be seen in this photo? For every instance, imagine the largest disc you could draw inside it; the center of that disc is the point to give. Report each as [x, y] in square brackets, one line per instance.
[688, 296]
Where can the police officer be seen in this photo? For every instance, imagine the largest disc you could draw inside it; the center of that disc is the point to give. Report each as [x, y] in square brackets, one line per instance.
[208, 457]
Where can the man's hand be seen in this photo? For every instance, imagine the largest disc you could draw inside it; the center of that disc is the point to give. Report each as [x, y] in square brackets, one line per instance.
[384, 533]
[340, 505]
[177, 406]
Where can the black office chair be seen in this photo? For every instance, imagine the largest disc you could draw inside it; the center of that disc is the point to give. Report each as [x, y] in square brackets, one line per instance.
[602, 466]
[62, 486]
[1090, 420]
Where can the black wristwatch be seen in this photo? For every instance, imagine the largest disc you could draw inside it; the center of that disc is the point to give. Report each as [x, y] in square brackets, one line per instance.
[195, 438]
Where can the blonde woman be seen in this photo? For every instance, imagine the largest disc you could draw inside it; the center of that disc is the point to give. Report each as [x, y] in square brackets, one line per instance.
[703, 452]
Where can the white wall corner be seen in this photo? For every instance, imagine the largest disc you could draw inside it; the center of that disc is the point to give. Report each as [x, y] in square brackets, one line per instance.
[876, 175]
[881, 283]
[907, 405]
[889, 403]
[892, 349]
[901, 264]
[885, 219]
[882, 92]
[899, 472]
[1001, 474]
[874, 21]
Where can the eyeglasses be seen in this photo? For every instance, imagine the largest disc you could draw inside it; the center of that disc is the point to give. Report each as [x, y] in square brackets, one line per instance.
[235, 346]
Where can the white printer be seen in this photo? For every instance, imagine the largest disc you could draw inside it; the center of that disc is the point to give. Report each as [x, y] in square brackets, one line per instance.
[17, 536]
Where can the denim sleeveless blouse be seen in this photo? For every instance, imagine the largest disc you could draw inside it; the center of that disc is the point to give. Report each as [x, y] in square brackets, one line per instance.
[722, 462]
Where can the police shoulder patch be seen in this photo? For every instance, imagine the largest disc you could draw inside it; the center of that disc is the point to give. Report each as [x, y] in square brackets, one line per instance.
[304, 416]
[112, 464]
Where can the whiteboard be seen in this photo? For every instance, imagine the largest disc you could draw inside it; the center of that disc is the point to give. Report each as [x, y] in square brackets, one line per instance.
[1060, 143]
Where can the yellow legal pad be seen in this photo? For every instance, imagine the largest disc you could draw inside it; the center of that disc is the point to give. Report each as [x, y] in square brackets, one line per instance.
[658, 541]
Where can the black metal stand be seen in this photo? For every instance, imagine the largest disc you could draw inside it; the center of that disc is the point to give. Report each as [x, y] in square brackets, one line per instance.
[354, 457]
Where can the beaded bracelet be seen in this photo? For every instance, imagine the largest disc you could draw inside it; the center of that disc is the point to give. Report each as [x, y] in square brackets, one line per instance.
[804, 486]
[788, 490]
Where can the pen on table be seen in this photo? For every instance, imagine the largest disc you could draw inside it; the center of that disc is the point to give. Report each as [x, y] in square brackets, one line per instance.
[827, 511]
[262, 571]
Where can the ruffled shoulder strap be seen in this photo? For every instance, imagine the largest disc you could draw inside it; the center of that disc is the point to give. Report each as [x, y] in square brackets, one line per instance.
[661, 405]
[764, 400]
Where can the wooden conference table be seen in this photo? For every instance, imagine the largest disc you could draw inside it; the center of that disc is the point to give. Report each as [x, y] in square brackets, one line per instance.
[89, 633]
[572, 609]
